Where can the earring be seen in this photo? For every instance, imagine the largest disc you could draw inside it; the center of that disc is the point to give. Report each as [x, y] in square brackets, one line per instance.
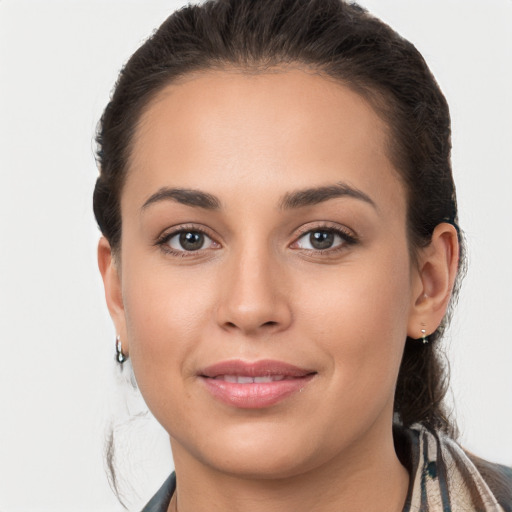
[120, 357]
[424, 338]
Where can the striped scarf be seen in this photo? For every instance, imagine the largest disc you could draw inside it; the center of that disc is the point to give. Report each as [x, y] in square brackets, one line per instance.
[444, 479]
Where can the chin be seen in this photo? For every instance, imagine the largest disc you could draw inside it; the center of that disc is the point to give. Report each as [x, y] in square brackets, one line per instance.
[262, 465]
[259, 453]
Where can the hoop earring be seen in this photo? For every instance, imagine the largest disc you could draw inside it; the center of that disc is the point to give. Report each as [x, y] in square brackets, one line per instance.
[424, 337]
[120, 357]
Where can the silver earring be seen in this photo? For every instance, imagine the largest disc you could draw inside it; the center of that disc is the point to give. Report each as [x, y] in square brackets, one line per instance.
[424, 337]
[120, 357]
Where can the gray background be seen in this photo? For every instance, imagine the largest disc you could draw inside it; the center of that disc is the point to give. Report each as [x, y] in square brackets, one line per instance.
[58, 385]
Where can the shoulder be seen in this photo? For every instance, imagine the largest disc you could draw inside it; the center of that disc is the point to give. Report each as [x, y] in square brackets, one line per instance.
[444, 475]
[497, 477]
[160, 501]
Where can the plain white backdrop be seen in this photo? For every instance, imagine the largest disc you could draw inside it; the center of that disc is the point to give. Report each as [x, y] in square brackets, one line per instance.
[58, 385]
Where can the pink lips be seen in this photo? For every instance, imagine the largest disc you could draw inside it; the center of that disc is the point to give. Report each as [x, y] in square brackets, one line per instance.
[254, 385]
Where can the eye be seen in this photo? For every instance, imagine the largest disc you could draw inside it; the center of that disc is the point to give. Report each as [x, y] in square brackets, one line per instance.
[188, 241]
[323, 239]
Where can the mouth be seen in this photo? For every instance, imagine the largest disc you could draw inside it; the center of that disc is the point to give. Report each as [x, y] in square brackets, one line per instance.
[254, 385]
[244, 379]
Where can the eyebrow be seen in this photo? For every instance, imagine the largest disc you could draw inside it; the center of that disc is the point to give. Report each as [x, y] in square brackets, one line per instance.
[291, 200]
[185, 196]
[316, 195]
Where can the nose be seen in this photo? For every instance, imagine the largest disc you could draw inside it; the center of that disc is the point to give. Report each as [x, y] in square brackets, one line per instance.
[254, 298]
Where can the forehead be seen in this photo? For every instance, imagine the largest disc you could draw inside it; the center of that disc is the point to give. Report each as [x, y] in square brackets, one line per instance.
[224, 130]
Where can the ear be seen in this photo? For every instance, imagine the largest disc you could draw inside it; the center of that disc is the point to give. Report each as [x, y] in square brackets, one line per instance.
[433, 281]
[113, 292]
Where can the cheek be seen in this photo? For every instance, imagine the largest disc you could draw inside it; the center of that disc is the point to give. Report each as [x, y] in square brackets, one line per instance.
[359, 316]
[164, 298]
[167, 312]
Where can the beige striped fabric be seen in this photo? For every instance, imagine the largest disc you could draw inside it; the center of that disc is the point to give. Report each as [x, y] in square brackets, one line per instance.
[444, 479]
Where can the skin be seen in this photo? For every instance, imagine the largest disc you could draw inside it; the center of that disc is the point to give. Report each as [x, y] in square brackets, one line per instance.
[258, 289]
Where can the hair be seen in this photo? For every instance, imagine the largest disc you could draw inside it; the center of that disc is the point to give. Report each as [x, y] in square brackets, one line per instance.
[341, 41]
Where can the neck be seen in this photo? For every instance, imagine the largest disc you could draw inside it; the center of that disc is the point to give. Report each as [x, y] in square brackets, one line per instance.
[368, 476]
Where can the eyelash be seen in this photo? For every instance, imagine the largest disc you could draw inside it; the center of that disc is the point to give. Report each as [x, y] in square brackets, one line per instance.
[163, 240]
[348, 238]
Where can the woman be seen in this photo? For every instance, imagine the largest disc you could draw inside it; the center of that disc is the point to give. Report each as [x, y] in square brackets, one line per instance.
[280, 251]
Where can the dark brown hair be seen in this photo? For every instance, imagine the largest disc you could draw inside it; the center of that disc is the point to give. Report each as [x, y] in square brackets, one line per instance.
[343, 42]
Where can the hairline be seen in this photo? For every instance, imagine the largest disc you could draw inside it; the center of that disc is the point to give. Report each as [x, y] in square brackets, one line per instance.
[379, 100]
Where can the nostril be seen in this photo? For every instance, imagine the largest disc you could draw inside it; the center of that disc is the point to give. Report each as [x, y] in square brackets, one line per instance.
[266, 325]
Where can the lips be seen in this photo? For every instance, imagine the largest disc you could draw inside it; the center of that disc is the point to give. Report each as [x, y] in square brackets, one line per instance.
[254, 385]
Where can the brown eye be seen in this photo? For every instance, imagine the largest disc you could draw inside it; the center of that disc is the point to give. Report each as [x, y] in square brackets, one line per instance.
[189, 241]
[324, 239]
[321, 239]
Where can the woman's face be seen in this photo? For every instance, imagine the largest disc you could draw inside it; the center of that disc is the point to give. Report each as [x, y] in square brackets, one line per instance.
[265, 284]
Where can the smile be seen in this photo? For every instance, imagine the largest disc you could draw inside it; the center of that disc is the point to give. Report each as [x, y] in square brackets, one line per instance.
[241, 379]
[254, 385]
